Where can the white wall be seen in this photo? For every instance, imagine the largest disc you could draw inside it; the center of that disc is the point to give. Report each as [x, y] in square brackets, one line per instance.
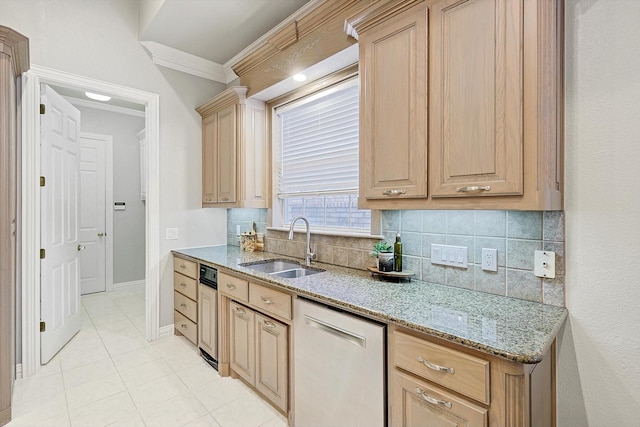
[599, 351]
[128, 225]
[98, 39]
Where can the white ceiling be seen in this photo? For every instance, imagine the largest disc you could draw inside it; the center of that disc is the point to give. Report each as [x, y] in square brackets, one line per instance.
[215, 30]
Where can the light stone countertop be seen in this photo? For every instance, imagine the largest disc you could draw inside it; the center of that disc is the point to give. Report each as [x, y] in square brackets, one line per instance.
[514, 329]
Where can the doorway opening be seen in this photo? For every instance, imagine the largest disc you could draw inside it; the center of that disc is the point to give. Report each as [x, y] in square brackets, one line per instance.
[30, 174]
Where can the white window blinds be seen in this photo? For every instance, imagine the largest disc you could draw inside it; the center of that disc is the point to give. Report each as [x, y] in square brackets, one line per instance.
[319, 148]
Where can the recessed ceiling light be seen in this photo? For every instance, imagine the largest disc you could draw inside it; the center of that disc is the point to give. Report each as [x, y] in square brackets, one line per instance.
[97, 97]
[299, 77]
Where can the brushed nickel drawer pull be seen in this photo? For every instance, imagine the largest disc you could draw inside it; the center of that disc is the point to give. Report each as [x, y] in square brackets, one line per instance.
[436, 367]
[432, 400]
[241, 310]
[473, 189]
[184, 285]
[225, 199]
[230, 286]
[183, 266]
[183, 306]
[393, 192]
[267, 301]
[269, 325]
[184, 326]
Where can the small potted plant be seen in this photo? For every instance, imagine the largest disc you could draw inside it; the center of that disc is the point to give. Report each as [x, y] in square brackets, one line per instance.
[383, 252]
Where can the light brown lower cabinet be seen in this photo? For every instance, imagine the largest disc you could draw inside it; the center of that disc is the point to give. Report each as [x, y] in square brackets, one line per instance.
[258, 352]
[207, 320]
[437, 383]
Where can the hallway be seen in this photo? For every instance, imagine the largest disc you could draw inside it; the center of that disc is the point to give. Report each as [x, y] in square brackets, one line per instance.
[109, 375]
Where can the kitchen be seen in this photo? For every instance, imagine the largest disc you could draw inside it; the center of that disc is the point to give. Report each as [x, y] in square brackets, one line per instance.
[597, 380]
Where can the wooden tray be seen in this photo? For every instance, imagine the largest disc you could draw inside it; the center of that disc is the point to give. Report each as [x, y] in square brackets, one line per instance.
[405, 274]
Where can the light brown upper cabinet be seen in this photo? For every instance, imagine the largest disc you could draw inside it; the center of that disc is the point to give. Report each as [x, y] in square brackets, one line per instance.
[489, 134]
[393, 110]
[234, 164]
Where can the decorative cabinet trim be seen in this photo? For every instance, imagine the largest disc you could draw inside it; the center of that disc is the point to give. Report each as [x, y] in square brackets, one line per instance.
[375, 14]
[16, 46]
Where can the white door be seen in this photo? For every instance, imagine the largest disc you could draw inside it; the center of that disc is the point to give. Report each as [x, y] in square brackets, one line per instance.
[59, 281]
[92, 213]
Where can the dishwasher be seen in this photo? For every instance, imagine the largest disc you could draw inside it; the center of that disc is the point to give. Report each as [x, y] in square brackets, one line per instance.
[339, 362]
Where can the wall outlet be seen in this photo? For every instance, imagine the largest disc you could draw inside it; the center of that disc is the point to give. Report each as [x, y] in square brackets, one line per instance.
[544, 264]
[489, 259]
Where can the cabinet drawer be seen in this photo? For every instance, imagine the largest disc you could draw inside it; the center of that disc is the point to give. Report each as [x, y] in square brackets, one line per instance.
[456, 370]
[270, 301]
[188, 268]
[185, 306]
[416, 404]
[186, 327]
[185, 285]
[233, 287]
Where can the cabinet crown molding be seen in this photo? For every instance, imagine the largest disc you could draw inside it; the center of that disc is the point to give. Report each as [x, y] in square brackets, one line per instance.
[16, 46]
[233, 95]
[375, 14]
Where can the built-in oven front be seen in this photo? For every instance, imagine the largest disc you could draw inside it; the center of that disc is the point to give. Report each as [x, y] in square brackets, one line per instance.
[209, 277]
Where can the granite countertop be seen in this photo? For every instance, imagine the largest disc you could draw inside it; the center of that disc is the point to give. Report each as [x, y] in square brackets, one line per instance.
[514, 329]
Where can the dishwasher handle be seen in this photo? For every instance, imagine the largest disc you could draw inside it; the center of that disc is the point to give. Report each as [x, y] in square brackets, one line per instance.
[335, 331]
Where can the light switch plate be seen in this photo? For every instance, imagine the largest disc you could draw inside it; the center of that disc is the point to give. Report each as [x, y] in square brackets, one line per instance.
[454, 256]
[544, 264]
[171, 234]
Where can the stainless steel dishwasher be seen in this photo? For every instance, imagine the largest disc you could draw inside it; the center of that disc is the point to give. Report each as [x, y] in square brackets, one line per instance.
[339, 368]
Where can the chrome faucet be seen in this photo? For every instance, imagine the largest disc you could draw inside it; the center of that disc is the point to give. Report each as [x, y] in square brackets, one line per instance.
[308, 256]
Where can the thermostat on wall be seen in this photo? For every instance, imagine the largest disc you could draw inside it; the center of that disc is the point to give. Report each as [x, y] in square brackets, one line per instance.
[119, 206]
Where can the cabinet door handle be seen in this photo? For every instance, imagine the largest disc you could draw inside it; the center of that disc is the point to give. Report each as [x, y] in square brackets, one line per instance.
[473, 189]
[267, 301]
[436, 367]
[183, 306]
[241, 310]
[225, 199]
[182, 266]
[184, 285]
[432, 400]
[393, 192]
[269, 325]
[230, 286]
[183, 326]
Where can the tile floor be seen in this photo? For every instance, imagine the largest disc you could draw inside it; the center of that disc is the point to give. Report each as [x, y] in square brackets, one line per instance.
[109, 375]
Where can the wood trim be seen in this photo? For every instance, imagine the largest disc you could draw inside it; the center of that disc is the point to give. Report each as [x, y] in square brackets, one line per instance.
[16, 46]
[375, 14]
[514, 414]
[231, 96]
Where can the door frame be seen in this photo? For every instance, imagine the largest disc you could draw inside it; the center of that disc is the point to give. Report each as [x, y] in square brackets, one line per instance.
[30, 194]
[108, 202]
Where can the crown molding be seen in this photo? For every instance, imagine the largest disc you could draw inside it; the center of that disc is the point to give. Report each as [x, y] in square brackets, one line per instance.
[106, 107]
[187, 63]
[16, 46]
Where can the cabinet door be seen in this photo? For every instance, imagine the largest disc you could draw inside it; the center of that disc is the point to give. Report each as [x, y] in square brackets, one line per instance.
[416, 404]
[227, 155]
[271, 360]
[209, 159]
[207, 320]
[476, 98]
[242, 345]
[393, 116]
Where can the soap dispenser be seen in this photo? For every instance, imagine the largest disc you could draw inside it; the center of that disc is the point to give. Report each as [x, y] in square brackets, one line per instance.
[397, 253]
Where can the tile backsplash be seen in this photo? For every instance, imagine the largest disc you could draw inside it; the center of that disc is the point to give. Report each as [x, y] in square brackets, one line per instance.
[515, 234]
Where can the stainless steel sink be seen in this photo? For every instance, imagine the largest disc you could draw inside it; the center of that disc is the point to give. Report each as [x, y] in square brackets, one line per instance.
[271, 265]
[296, 272]
[281, 268]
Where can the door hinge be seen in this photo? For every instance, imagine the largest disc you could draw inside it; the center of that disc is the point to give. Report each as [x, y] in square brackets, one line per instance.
[43, 181]
[42, 108]
[43, 326]
[43, 254]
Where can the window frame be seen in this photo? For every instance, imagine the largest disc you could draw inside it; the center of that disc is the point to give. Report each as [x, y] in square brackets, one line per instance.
[275, 217]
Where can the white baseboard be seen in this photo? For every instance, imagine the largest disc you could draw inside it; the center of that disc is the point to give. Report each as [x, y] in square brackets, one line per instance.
[165, 331]
[19, 371]
[124, 285]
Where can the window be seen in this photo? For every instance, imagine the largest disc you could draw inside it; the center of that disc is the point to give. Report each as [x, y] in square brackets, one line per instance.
[316, 152]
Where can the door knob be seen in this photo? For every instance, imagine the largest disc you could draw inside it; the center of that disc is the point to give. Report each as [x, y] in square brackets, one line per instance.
[80, 248]
[102, 234]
